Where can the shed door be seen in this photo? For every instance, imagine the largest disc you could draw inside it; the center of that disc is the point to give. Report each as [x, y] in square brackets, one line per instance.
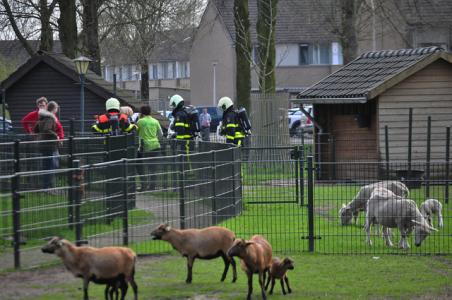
[354, 143]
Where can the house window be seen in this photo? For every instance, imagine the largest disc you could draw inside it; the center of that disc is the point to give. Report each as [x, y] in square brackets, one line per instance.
[320, 54]
[129, 72]
[183, 69]
[287, 55]
[165, 70]
[154, 72]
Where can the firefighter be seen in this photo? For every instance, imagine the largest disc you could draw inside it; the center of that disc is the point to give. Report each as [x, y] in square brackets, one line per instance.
[181, 125]
[231, 126]
[113, 122]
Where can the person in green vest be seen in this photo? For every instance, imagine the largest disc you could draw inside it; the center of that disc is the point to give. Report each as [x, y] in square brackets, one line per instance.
[149, 132]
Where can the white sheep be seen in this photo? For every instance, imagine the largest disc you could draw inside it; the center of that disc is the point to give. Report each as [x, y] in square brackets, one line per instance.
[359, 202]
[432, 207]
[396, 212]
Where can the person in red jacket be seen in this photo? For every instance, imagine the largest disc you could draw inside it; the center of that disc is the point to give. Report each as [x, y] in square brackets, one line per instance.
[29, 121]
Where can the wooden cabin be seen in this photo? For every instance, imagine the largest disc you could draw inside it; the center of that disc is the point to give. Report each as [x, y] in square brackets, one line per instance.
[54, 76]
[353, 105]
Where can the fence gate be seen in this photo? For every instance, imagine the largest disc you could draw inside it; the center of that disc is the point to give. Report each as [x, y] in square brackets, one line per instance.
[274, 197]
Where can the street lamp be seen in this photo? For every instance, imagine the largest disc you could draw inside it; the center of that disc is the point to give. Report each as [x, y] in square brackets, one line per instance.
[81, 65]
[214, 65]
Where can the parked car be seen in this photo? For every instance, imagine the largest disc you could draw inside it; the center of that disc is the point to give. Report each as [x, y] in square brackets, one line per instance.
[5, 126]
[298, 122]
[215, 114]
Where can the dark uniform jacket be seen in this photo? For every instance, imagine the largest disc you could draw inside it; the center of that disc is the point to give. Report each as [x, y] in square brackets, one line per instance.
[231, 128]
[181, 125]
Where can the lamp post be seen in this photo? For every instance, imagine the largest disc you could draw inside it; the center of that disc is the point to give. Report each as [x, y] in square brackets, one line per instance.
[214, 65]
[81, 65]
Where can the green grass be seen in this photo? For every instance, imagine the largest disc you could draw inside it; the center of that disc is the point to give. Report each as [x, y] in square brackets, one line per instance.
[45, 215]
[314, 277]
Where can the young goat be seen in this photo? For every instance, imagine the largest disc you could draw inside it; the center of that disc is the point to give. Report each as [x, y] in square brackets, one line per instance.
[279, 270]
[430, 207]
[207, 243]
[113, 266]
[256, 257]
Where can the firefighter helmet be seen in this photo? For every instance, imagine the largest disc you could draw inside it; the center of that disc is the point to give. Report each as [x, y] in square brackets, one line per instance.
[224, 103]
[175, 101]
[112, 103]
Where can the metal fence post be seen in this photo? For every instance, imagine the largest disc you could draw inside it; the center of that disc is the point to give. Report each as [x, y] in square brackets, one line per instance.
[16, 205]
[71, 127]
[77, 202]
[387, 151]
[233, 179]
[410, 136]
[446, 193]
[125, 215]
[214, 187]
[429, 138]
[181, 191]
[295, 156]
[71, 174]
[310, 204]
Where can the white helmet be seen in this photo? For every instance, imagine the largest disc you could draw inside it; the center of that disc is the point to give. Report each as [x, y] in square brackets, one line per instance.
[175, 100]
[112, 103]
[224, 103]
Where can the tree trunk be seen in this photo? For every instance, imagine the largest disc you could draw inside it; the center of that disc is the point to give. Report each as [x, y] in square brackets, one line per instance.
[67, 25]
[349, 40]
[243, 53]
[144, 81]
[91, 34]
[265, 28]
[46, 43]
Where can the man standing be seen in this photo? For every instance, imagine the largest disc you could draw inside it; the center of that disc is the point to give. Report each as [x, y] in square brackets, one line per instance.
[231, 126]
[205, 120]
[150, 132]
[181, 125]
[29, 121]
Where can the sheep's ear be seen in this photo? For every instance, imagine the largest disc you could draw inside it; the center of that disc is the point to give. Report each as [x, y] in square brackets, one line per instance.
[248, 243]
[167, 228]
[432, 228]
[343, 205]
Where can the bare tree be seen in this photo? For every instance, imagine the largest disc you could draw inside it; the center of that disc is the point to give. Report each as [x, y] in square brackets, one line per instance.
[30, 19]
[142, 25]
[90, 34]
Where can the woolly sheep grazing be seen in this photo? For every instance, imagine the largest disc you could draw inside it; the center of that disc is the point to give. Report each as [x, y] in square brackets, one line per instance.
[256, 257]
[207, 243]
[432, 207]
[109, 265]
[352, 209]
[392, 212]
[279, 270]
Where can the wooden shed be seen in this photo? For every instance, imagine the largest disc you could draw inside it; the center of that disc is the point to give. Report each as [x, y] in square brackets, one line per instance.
[54, 76]
[353, 105]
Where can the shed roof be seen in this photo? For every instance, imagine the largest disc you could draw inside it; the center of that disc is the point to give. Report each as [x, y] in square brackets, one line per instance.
[371, 74]
[94, 82]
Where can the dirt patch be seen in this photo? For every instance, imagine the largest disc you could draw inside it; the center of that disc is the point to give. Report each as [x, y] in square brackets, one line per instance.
[33, 280]
[34, 283]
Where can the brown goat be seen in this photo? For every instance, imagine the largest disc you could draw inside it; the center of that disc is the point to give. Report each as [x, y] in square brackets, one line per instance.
[256, 257]
[114, 266]
[279, 270]
[207, 243]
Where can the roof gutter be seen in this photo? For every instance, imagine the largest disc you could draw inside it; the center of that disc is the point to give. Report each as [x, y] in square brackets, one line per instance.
[330, 100]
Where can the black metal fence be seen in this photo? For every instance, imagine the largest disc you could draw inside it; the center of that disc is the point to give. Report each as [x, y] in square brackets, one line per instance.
[105, 195]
